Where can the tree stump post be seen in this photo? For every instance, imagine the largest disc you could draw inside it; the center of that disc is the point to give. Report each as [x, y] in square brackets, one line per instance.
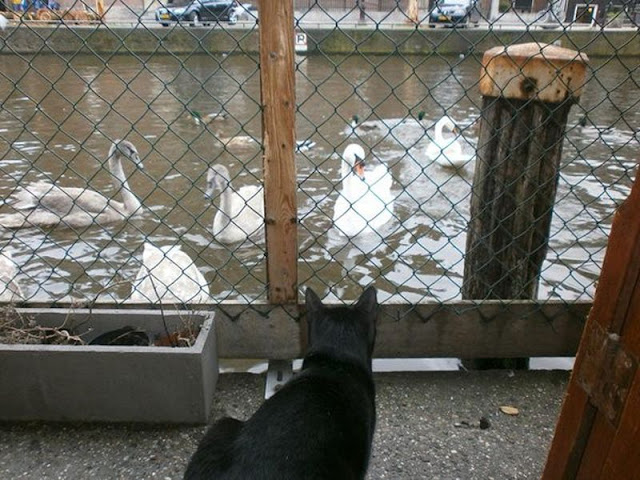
[527, 92]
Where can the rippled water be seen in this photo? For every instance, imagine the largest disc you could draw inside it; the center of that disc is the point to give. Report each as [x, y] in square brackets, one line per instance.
[59, 116]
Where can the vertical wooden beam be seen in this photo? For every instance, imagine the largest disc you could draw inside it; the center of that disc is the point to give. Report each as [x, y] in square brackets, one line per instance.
[277, 88]
[528, 90]
[596, 449]
[624, 454]
[605, 364]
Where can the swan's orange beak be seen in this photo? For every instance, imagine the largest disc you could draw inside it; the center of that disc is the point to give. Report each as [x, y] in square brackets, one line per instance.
[456, 130]
[358, 168]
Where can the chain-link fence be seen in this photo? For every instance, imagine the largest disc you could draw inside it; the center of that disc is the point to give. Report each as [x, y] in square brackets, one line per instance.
[131, 173]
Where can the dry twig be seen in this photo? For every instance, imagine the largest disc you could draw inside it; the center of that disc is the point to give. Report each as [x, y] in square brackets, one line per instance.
[16, 328]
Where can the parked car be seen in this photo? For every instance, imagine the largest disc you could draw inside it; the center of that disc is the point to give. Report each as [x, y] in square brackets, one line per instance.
[454, 13]
[197, 12]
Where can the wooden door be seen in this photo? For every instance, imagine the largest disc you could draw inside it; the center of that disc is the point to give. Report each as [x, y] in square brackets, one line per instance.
[598, 433]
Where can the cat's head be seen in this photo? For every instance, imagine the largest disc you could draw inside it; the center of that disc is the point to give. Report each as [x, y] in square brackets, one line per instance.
[348, 330]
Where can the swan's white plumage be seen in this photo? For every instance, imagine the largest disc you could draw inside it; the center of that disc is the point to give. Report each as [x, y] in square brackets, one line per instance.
[447, 151]
[240, 212]
[45, 204]
[10, 290]
[364, 204]
[168, 275]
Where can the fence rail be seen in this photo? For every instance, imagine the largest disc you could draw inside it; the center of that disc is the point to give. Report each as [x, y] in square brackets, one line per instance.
[456, 329]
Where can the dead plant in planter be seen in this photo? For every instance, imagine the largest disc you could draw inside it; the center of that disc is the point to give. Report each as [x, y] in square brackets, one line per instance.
[17, 328]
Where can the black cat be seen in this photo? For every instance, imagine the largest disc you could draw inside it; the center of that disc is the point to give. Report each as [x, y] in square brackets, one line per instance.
[320, 425]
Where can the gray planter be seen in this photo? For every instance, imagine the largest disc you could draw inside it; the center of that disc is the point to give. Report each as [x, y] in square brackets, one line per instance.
[110, 383]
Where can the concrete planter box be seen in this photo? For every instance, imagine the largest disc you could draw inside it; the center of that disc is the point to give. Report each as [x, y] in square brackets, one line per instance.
[110, 383]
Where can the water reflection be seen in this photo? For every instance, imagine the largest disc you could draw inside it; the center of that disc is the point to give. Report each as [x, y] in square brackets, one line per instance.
[59, 117]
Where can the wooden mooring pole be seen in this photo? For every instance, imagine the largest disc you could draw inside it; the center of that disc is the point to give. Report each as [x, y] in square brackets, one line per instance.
[277, 86]
[527, 92]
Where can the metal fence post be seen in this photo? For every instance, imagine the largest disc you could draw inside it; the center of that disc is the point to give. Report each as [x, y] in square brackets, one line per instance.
[527, 92]
[277, 82]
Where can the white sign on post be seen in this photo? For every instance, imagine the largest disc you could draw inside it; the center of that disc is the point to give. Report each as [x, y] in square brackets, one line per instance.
[301, 42]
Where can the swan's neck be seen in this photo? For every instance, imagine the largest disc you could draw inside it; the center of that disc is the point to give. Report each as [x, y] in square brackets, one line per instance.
[226, 205]
[130, 201]
[439, 128]
[351, 183]
[346, 170]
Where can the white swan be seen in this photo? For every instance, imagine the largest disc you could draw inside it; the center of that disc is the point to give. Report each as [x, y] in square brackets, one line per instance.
[46, 205]
[447, 152]
[169, 275]
[240, 212]
[365, 202]
[10, 290]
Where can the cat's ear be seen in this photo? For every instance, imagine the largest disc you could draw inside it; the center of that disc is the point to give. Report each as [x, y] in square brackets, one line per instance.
[368, 302]
[312, 301]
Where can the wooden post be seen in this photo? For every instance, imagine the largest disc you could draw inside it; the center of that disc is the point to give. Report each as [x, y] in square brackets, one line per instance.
[100, 9]
[598, 432]
[277, 87]
[413, 13]
[527, 92]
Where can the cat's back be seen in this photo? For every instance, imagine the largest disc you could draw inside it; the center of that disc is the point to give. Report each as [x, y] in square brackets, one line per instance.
[309, 430]
[320, 416]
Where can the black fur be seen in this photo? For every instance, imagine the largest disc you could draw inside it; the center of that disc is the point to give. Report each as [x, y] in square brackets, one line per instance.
[320, 425]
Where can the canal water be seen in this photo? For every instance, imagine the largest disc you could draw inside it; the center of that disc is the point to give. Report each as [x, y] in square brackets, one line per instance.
[59, 115]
